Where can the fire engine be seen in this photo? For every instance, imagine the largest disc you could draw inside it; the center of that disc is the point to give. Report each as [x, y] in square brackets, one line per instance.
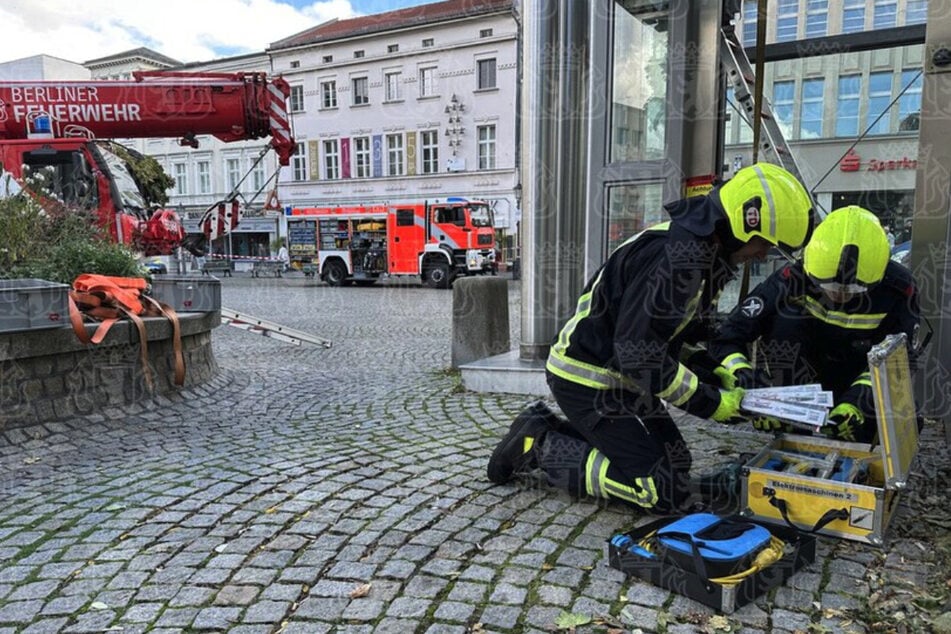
[55, 129]
[436, 241]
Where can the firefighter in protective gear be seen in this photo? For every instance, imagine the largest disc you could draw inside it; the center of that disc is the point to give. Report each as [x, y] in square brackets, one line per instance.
[817, 319]
[615, 364]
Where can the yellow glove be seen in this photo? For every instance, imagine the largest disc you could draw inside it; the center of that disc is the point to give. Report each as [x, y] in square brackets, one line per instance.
[728, 411]
[844, 421]
[767, 423]
[727, 379]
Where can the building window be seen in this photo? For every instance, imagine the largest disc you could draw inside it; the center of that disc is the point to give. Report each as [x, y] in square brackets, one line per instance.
[327, 59]
[361, 157]
[885, 14]
[738, 128]
[181, 178]
[783, 99]
[295, 64]
[297, 98]
[427, 82]
[810, 120]
[257, 175]
[486, 136]
[787, 19]
[485, 33]
[853, 16]
[428, 42]
[393, 84]
[847, 106]
[332, 159]
[909, 105]
[749, 22]
[916, 12]
[879, 96]
[232, 173]
[204, 176]
[429, 144]
[358, 54]
[486, 73]
[817, 18]
[361, 91]
[328, 94]
[395, 160]
[299, 163]
[393, 48]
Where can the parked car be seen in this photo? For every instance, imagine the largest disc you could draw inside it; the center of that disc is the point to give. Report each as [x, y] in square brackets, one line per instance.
[901, 253]
[155, 266]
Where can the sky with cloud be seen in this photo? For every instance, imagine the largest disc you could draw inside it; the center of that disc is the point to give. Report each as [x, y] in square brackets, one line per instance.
[186, 30]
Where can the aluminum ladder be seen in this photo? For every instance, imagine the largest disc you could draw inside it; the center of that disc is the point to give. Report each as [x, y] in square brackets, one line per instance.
[270, 329]
[740, 74]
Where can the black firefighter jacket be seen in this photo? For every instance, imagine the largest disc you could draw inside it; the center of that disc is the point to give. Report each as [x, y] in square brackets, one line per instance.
[804, 338]
[646, 300]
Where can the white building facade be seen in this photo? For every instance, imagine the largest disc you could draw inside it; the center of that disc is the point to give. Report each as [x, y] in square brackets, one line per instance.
[850, 119]
[411, 105]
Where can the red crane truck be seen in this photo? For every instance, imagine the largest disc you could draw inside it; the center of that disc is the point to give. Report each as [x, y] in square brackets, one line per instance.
[436, 241]
[51, 128]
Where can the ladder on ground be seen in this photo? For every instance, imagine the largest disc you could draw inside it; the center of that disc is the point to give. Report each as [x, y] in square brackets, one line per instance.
[270, 329]
[741, 76]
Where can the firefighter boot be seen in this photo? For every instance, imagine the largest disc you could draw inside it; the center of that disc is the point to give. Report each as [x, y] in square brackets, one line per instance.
[720, 486]
[515, 452]
[563, 457]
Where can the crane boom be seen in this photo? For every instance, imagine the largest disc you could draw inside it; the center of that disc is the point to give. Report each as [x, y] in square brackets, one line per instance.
[228, 106]
[57, 131]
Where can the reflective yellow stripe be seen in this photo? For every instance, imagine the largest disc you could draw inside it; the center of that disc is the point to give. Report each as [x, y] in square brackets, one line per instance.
[560, 364]
[592, 376]
[736, 361]
[596, 470]
[597, 483]
[691, 309]
[863, 379]
[865, 321]
[681, 388]
[770, 201]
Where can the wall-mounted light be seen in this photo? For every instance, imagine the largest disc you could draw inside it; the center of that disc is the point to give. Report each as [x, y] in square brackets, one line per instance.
[454, 129]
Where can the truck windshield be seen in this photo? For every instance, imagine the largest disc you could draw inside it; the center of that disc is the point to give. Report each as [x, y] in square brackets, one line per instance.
[63, 176]
[480, 215]
[128, 189]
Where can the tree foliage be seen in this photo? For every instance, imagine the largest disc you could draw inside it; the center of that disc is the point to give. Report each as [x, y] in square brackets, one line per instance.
[148, 174]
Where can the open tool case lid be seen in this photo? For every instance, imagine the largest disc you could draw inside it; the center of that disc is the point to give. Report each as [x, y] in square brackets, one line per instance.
[894, 408]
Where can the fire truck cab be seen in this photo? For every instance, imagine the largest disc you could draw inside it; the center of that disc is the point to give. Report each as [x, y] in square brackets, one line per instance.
[436, 241]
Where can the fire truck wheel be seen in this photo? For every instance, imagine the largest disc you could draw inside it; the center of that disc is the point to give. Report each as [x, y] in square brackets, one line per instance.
[335, 273]
[437, 275]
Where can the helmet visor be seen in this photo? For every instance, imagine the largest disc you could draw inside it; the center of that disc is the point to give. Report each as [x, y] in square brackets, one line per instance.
[838, 292]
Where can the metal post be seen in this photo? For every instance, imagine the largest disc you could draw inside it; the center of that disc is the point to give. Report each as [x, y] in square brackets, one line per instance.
[554, 120]
[931, 227]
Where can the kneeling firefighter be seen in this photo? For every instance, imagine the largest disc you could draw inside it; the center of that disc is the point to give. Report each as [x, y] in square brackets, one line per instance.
[615, 361]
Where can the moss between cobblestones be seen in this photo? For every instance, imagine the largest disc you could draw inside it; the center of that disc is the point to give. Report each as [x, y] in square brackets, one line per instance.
[455, 376]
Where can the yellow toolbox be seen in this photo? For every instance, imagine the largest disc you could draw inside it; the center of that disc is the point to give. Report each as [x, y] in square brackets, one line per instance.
[842, 489]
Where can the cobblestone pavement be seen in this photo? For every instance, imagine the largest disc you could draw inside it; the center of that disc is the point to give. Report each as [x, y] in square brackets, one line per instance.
[301, 479]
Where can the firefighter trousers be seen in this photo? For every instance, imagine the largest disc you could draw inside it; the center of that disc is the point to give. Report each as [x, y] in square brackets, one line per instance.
[617, 445]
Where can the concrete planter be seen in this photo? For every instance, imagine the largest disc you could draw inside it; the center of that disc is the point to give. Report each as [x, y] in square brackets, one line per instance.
[49, 374]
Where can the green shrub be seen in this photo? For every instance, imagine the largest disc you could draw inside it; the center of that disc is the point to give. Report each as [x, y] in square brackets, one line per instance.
[57, 245]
